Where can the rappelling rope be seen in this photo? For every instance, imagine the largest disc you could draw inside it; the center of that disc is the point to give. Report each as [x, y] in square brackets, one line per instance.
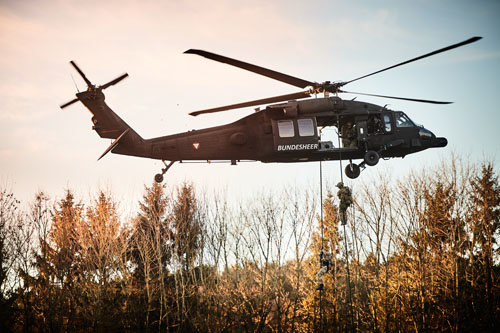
[322, 232]
[340, 153]
[321, 202]
[345, 233]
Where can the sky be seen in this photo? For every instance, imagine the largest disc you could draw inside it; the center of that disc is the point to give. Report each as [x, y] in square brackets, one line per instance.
[45, 148]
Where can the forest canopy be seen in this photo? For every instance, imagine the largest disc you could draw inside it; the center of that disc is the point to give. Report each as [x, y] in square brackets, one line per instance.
[419, 253]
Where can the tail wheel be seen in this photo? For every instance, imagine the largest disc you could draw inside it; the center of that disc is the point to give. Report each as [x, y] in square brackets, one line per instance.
[352, 170]
[158, 178]
[371, 157]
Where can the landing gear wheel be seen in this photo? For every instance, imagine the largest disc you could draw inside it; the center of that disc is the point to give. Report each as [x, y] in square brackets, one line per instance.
[352, 170]
[158, 178]
[371, 157]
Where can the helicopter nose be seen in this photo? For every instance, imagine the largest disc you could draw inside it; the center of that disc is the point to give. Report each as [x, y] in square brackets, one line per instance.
[440, 142]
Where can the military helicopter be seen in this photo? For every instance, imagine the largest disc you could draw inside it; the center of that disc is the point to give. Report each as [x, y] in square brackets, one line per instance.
[288, 131]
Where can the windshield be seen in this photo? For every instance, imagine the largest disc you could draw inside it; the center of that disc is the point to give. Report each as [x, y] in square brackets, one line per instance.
[402, 120]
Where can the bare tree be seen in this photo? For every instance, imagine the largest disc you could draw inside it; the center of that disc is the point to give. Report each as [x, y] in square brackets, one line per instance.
[11, 239]
[301, 215]
[374, 204]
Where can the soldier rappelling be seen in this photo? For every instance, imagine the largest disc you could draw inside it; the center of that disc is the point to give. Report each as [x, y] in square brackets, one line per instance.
[345, 197]
[326, 260]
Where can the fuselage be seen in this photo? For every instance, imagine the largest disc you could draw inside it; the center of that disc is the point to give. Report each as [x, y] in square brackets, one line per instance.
[289, 132]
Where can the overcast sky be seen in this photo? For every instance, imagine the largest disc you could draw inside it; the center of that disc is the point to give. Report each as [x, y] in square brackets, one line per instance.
[45, 148]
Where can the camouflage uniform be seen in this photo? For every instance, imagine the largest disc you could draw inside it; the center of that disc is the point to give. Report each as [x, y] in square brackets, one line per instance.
[349, 135]
[345, 197]
[325, 260]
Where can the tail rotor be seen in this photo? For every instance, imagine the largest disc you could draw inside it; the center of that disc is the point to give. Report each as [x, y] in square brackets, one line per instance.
[91, 86]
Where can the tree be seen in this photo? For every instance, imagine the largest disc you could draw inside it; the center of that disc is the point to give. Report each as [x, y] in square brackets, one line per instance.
[103, 245]
[375, 215]
[424, 255]
[9, 223]
[485, 227]
[301, 216]
[186, 240]
[328, 309]
[186, 227]
[150, 255]
[39, 290]
[64, 256]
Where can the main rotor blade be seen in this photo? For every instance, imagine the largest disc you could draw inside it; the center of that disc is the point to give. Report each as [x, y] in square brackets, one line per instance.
[294, 81]
[275, 99]
[444, 49]
[69, 103]
[394, 97]
[81, 73]
[115, 81]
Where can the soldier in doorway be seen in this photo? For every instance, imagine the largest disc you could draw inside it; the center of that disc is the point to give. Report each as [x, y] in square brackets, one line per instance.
[348, 133]
[345, 197]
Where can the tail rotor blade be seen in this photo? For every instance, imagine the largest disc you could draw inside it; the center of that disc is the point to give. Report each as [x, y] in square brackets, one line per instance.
[69, 103]
[115, 81]
[81, 73]
[89, 84]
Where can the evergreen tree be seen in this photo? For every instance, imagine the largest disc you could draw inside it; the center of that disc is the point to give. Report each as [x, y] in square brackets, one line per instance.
[103, 245]
[150, 255]
[186, 241]
[327, 310]
[64, 256]
[186, 227]
[485, 226]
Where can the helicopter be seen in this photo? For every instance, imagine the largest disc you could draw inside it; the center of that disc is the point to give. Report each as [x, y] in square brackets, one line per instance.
[287, 130]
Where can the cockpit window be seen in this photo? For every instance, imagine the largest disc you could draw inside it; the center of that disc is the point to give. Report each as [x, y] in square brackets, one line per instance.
[402, 120]
[285, 128]
[306, 127]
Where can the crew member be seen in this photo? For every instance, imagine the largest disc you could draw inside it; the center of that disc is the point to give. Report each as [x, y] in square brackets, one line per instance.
[345, 197]
[375, 125]
[349, 135]
[325, 260]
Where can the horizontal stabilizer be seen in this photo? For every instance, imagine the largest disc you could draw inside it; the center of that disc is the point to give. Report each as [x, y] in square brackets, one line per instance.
[114, 144]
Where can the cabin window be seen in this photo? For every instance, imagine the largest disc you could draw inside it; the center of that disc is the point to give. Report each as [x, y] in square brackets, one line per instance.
[387, 123]
[306, 127]
[402, 120]
[285, 128]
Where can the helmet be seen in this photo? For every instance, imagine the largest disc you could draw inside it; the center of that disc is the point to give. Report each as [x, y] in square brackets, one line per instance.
[340, 184]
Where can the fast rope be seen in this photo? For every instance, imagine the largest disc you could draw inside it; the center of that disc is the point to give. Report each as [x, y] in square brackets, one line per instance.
[345, 234]
[321, 202]
[322, 233]
[340, 152]
[349, 298]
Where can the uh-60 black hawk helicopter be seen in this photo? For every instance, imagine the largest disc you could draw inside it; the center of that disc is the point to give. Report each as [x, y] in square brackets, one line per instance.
[285, 132]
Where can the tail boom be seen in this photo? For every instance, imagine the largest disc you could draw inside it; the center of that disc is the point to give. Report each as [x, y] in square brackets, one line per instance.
[109, 125]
